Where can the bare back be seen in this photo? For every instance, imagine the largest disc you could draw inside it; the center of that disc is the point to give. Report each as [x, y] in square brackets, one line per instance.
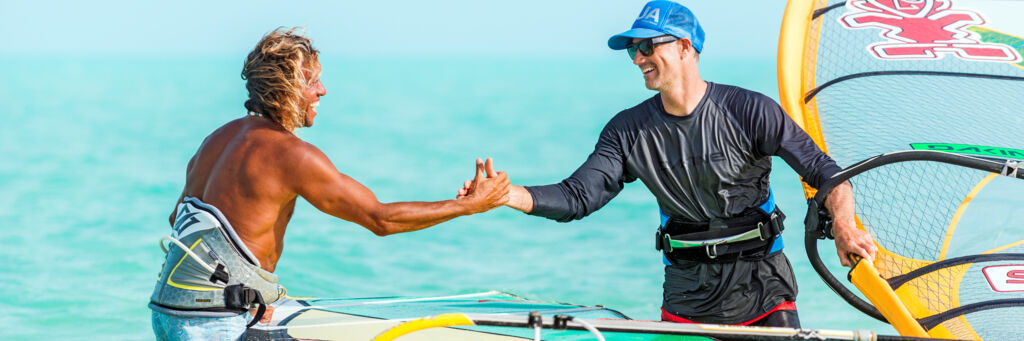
[240, 169]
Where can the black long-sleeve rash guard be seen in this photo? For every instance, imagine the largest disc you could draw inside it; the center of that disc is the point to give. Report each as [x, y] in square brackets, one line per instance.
[713, 163]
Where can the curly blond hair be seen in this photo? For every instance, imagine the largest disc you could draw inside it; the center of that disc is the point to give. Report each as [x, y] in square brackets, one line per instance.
[281, 65]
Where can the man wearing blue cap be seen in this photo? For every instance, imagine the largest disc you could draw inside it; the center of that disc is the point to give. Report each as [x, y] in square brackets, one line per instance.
[704, 150]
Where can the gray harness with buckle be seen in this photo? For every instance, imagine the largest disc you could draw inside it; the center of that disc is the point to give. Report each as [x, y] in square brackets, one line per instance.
[208, 270]
[747, 237]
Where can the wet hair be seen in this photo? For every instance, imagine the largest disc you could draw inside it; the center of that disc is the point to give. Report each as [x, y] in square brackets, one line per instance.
[281, 65]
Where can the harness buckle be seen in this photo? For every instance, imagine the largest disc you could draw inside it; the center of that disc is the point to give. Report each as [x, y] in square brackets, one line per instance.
[712, 250]
[657, 239]
[219, 274]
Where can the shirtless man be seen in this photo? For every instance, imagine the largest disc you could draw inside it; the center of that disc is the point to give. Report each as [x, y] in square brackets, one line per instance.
[240, 192]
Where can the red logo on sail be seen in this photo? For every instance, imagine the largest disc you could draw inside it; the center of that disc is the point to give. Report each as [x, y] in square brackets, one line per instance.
[1005, 278]
[924, 29]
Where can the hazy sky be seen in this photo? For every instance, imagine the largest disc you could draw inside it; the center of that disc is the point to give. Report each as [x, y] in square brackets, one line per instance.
[375, 28]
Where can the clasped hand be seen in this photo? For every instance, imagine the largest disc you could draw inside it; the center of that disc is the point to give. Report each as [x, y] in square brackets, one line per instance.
[488, 189]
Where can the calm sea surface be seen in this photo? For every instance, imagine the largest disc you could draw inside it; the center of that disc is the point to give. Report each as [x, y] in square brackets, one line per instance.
[94, 154]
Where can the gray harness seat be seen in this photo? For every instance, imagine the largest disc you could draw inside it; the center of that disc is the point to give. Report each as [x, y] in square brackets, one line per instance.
[208, 271]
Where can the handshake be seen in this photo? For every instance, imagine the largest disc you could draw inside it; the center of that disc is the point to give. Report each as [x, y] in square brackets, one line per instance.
[490, 189]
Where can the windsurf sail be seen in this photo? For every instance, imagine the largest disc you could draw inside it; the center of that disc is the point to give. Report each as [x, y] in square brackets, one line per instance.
[922, 103]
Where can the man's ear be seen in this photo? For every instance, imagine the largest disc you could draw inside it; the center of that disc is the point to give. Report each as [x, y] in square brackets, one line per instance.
[684, 45]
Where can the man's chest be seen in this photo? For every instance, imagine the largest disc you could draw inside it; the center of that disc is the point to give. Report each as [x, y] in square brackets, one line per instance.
[708, 149]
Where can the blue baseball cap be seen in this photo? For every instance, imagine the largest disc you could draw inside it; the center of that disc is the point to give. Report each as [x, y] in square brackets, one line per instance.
[659, 18]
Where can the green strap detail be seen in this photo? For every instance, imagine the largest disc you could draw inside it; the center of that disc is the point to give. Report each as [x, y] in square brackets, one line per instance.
[755, 233]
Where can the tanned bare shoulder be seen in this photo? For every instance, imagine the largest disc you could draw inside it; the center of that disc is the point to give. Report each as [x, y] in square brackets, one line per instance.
[305, 157]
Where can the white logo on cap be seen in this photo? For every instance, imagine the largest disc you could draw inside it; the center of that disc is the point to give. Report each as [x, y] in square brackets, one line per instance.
[650, 13]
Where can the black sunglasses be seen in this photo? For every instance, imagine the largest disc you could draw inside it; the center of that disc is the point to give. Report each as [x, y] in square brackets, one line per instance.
[646, 46]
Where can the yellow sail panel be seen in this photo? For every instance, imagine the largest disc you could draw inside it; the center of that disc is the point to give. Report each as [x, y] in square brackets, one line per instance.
[790, 58]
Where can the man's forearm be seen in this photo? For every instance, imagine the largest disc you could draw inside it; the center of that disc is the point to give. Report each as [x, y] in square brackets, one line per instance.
[400, 217]
[411, 216]
[520, 199]
[849, 238]
[840, 204]
[356, 203]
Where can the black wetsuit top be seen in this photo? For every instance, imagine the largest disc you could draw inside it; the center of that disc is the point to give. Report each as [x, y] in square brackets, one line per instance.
[711, 164]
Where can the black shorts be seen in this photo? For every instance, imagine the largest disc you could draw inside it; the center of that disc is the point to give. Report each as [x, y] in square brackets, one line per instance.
[728, 293]
[779, 318]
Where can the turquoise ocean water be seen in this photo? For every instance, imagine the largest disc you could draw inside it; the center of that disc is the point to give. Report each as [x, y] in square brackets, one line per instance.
[94, 154]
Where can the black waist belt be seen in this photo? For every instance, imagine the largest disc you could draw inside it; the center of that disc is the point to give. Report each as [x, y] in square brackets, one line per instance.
[747, 237]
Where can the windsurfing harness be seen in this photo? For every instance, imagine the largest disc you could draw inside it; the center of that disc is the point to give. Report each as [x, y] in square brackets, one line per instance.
[209, 272]
[749, 236]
